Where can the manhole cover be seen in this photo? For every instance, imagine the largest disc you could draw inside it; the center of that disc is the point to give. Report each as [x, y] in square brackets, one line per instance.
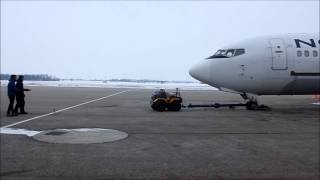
[80, 136]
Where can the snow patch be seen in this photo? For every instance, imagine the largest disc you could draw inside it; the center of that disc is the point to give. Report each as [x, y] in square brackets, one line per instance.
[30, 133]
[111, 84]
[18, 131]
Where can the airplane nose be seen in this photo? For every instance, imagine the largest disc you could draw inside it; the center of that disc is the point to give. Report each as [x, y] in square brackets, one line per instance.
[201, 71]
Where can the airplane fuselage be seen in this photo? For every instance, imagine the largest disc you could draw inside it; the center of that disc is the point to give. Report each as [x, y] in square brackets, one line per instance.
[270, 65]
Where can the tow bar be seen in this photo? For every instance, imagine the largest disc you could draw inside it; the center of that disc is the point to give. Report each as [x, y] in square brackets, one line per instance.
[248, 105]
[215, 105]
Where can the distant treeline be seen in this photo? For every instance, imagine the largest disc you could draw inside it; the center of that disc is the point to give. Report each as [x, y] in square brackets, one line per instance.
[32, 77]
[146, 81]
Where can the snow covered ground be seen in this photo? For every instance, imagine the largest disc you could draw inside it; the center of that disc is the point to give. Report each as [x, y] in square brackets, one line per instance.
[109, 84]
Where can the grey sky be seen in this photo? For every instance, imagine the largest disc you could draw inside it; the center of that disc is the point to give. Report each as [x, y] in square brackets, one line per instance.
[143, 40]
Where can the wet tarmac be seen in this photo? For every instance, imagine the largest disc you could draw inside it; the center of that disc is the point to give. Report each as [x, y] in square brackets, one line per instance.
[199, 143]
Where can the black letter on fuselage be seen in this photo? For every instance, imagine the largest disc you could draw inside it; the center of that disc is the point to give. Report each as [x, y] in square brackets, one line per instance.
[298, 41]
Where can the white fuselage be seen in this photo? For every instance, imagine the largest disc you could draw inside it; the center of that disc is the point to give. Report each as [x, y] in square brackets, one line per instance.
[271, 65]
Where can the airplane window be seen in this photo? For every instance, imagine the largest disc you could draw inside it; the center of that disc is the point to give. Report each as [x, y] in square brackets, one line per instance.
[306, 53]
[299, 53]
[239, 52]
[221, 52]
[315, 53]
[230, 52]
[227, 53]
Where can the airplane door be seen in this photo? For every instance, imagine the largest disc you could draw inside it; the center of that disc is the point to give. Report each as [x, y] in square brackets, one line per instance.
[279, 58]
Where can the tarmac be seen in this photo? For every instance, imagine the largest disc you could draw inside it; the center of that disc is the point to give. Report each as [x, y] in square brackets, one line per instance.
[198, 143]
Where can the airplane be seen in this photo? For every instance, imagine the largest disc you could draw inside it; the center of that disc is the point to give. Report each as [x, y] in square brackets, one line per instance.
[282, 64]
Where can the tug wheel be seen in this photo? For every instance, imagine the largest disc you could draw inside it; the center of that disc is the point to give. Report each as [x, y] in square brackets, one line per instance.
[174, 107]
[252, 105]
[159, 105]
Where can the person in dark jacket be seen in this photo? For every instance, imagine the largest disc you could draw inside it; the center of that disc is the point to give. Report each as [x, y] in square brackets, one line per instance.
[20, 96]
[12, 90]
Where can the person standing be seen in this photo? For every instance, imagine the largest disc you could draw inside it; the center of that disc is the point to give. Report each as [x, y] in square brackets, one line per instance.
[12, 90]
[20, 96]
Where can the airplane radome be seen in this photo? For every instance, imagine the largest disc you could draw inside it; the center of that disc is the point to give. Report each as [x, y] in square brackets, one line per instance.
[287, 64]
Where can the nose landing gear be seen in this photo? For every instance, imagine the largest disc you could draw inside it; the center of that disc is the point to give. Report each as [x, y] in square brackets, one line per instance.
[252, 102]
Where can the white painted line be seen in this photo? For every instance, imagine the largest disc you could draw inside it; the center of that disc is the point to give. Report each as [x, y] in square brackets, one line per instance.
[37, 117]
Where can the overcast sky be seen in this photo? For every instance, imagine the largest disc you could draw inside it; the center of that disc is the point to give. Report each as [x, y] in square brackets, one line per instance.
[141, 40]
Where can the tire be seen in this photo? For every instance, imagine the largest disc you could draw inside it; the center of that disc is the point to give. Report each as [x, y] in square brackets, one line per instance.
[174, 106]
[159, 105]
[252, 105]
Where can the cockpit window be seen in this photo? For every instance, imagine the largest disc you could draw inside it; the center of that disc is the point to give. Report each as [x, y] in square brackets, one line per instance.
[230, 52]
[227, 53]
[239, 52]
